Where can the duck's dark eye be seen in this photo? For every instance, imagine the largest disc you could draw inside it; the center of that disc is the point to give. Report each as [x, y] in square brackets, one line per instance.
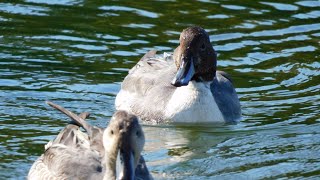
[202, 47]
[111, 132]
[138, 133]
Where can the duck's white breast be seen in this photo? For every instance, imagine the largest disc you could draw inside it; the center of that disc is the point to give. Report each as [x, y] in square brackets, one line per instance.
[193, 103]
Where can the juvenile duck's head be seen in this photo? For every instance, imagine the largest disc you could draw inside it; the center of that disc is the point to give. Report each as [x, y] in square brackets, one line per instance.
[195, 57]
[126, 138]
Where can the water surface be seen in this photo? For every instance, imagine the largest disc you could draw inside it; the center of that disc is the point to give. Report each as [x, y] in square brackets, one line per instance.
[76, 53]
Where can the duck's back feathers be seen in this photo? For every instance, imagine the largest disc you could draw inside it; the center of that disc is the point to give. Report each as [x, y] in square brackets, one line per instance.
[69, 155]
[149, 78]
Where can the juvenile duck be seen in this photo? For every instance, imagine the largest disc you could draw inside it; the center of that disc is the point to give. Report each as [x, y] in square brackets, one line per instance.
[74, 154]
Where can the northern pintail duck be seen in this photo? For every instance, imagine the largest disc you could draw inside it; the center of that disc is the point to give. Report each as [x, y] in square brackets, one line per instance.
[181, 87]
[74, 154]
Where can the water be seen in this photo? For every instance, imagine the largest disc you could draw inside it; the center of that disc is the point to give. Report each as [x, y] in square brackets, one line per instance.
[76, 53]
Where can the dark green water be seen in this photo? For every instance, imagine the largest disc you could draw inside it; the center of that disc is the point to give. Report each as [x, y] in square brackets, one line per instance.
[76, 53]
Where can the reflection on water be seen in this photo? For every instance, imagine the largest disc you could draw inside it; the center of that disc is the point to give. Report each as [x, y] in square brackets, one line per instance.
[76, 53]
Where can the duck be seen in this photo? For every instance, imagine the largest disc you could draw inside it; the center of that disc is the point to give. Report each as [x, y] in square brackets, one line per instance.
[181, 87]
[100, 153]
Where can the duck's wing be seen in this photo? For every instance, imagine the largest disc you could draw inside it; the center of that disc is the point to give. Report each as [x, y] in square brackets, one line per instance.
[68, 156]
[151, 62]
[95, 133]
[146, 89]
[67, 137]
[152, 70]
[226, 97]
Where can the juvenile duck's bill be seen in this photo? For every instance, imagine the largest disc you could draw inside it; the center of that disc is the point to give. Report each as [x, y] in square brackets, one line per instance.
[127, 169]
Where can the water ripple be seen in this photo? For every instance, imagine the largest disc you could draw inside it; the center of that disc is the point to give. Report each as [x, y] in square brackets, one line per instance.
[281, 6]
[23, 9]
[134, 10]
[309, 3]
[76, 54]
[55, 2]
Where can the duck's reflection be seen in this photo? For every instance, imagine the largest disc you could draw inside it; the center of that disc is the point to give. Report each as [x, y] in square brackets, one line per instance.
[168, 144]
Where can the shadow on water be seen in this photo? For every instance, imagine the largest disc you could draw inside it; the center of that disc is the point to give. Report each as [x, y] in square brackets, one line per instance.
[76, 53]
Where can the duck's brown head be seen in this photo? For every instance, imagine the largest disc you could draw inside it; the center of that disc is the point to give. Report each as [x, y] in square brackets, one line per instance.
[195, 57]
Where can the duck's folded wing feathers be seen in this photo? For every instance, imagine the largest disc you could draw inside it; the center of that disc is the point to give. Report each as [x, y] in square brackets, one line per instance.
[152, 70]
[95, 133]
[226, 97]
[69, 155]
[151, 62]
